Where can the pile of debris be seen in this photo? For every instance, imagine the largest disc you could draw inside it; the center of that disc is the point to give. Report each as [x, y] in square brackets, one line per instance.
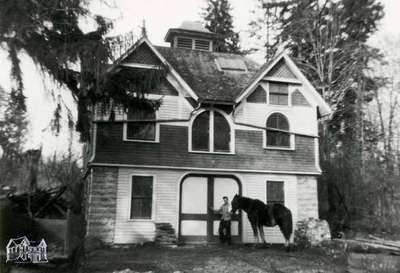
[311, 232]
[371, 244]
[165, 234]
[40, 203]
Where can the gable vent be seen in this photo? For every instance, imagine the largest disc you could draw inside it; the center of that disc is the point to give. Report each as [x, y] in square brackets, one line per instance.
[184, 42]
[202, 45]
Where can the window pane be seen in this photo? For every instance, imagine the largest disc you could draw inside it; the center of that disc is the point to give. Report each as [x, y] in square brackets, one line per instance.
[278, 121]
[279, 88]
[142, 186]
[141, 130]
[278, 139]
[200, 132]
[142, 196]
[279, 93]
[138, 114]
[222, 133]
[275, 192]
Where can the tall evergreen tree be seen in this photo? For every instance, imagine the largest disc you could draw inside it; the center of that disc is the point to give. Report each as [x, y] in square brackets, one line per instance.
[327, 39]
[219, 20]
[51, 34]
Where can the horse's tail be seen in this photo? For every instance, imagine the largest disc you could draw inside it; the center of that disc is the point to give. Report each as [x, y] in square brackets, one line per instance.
[285, 221]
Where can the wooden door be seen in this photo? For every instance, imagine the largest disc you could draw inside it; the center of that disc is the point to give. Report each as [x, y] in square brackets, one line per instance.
[199, 192]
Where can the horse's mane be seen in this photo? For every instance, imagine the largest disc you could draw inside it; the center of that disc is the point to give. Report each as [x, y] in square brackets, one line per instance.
[244, 201]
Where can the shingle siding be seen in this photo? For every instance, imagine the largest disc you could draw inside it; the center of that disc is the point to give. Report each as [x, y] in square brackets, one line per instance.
[143, 55]
[299, 99]
[281, 70]
[102, 203]
[173, 151]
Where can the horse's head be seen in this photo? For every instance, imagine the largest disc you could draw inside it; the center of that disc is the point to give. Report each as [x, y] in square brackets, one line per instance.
[235, 204]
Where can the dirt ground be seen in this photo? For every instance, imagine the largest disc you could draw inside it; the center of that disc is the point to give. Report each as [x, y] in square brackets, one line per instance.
[214, 258]
[217, 258]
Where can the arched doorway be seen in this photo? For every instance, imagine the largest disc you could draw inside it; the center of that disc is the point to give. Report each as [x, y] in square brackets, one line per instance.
[198, 192]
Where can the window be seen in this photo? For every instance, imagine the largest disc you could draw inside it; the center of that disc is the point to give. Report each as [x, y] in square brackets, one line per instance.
[211, 132]
[277, 138]
[141, 125]
[278, 93]
[142, 197]
[275, 192]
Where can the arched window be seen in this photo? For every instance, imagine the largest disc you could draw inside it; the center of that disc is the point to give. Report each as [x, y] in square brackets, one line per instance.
[211, 132]
[141, 125]
[278, 131]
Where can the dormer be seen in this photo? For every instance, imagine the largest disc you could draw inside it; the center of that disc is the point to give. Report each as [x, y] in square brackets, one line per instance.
[191, 35]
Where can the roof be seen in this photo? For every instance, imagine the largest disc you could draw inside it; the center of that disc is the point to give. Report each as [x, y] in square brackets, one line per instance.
[200, 71]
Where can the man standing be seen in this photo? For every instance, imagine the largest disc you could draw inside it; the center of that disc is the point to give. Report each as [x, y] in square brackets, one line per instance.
[225, 223]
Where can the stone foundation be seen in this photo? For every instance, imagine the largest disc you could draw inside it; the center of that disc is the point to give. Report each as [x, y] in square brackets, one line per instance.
[101, 198]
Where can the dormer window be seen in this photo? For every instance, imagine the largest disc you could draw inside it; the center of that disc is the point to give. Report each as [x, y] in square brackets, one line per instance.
[211, 132]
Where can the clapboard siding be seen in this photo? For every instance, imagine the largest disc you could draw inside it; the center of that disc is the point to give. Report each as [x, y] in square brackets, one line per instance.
[173, 151]
[254, 186]
[102, 203]
[308, 197]
[165, 205]
[302, 120]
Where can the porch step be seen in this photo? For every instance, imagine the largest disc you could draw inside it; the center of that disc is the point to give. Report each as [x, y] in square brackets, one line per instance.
[165, 234]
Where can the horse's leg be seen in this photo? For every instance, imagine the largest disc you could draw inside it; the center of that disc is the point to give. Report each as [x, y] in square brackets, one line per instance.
[260, 227]
[255, 232]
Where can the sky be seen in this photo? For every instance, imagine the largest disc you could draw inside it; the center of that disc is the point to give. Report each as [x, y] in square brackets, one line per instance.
[128, 15]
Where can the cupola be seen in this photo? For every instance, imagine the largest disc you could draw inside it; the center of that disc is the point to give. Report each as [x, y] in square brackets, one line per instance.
[191, 35]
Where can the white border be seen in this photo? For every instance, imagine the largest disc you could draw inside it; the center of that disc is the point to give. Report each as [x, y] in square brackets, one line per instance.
[153, 201]
[292, 136]
[201, 169]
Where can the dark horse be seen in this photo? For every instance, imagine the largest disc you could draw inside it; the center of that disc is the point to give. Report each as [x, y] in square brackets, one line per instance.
[260, 215]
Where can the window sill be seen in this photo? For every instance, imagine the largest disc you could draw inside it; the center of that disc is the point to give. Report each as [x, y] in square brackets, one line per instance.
[141, 220]
[279, 148]
[142, 141]
[217, 153]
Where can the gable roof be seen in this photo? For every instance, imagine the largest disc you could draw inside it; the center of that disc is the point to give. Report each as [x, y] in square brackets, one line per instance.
[200, 70]
[199, 73]
[268, 67]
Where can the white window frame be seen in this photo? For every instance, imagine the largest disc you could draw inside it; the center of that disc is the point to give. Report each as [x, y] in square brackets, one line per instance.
[153, 201]
[291, 135]
[125, 131]
[211, 132]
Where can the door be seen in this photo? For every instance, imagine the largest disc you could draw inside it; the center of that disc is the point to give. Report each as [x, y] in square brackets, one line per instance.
[199, 192]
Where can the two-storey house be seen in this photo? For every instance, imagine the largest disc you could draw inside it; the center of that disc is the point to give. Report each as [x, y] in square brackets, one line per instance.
[226, 125]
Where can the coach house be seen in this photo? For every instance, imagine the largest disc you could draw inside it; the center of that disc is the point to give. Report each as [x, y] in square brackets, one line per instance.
[226, 125]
